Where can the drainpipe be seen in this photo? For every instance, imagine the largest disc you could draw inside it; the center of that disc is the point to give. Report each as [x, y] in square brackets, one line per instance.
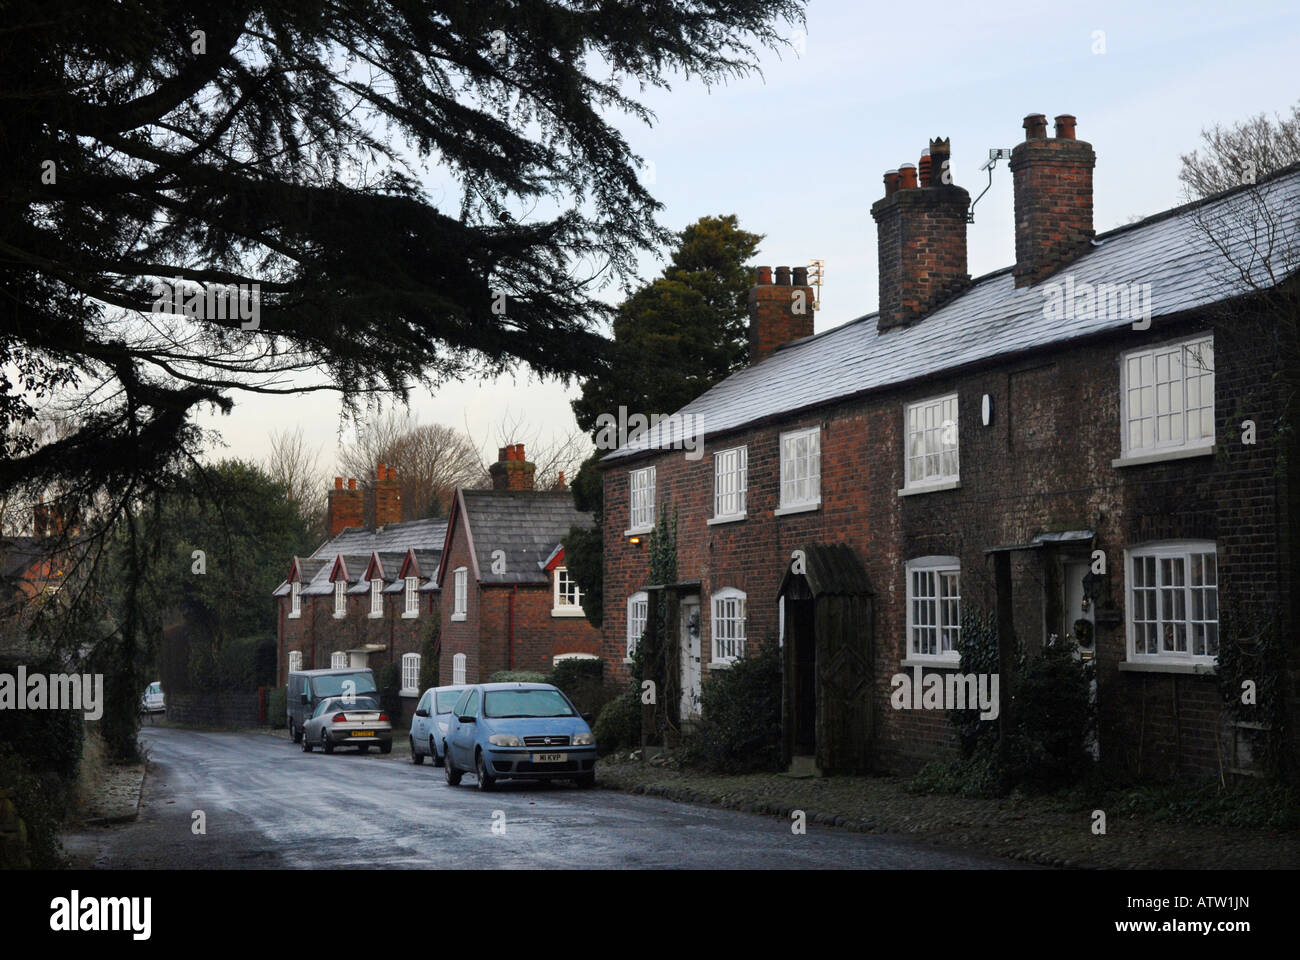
[510, 631]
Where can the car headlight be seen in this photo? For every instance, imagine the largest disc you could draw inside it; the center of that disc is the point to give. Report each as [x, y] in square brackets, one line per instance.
[505, 740]
[583, 740]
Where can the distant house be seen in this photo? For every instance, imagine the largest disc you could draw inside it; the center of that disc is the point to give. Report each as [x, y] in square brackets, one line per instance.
[1060, 444]
[31, 566]
[509, 603]
[368, 594]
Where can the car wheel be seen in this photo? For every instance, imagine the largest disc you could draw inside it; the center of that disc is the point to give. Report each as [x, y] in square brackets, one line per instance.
[294, 733]
[433, 752]
[453, 775]
[486, 781]
[386, 747]
[586, 780]
[306, 744]
[417, 757]
[326, 743]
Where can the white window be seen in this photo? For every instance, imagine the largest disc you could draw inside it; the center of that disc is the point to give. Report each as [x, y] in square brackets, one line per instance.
[460, 601]
[338, 660]
[376, 598]
[933, 608]
[801, 469]
[295, 600]
[641, 516]
[295, 660]
[729, 483]
[932, 442]
[340, 598]
[780, 621]
[638, 610]
[412, 597]
[1168, 397]
[1173, 609]
[568, 598]
[458, 668]
[410, 673]
[728, 625]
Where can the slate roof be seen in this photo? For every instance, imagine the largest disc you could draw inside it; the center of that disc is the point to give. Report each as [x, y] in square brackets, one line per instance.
[20, 554]
[1172, 251]
[526, 524]
[357, 543]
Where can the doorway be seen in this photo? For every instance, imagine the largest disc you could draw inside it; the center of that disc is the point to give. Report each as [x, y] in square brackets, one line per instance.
[803, 641]
[1079, 622]
[692, 674]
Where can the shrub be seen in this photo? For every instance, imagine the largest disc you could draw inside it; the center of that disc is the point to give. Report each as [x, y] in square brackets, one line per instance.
[619, 723]
[47, 741]
[40, 801]
[583, 682]
[741, 727]
[388, 679]
[246, 663]
[277, 707]
[430, 653]
[518, 676]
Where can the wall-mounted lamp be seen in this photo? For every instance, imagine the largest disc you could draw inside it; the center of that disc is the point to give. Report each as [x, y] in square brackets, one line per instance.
[633, 539]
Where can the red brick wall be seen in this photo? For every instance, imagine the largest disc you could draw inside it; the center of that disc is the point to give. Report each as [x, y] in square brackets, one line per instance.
[1052, 181]
[1044, 464]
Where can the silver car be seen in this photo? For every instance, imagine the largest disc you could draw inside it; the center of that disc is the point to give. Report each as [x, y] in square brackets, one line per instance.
[429, 725]
[348, 722]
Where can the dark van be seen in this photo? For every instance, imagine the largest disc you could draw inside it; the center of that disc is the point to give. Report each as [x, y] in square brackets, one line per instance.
[307, 688]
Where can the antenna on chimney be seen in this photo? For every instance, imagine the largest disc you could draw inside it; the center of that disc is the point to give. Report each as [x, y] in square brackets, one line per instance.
[816, 274]
[995, 154]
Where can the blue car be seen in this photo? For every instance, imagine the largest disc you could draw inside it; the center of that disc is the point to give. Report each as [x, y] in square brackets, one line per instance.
[520, 731]
[430, 724]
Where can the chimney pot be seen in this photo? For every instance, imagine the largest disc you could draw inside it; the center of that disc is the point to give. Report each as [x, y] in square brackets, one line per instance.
[503, 453]
[380, 472]
[352, 483]
[764, 275]
[800, 276]
[924, 169]
[783, 276]
[1065, 126]
[891, 182]
[338, 483]
[907, 176]
[1036, 126]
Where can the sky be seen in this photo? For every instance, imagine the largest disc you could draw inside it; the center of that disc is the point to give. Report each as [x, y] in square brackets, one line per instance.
[799, 153]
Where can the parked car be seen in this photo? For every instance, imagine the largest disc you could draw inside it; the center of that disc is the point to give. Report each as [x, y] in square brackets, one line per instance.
[529, 731]
[152, 700]
[348, 722]
[307, 688]
[430, 722]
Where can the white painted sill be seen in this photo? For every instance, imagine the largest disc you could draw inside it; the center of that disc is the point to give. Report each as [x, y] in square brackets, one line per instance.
[457, 618]
[295, 616]
[410, 614]
[932, 664]
[567, 612]
[375, 616]
[797, 508]
[1192, 669]
[340, 616]
[930, 488]
[712, 521]
[637, 531]
[627, 659]
[720, 664]
[1161, 456]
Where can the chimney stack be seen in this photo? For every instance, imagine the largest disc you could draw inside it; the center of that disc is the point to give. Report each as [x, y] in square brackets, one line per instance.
[780, 311]
[921, 239]
[346, 507]
[388, 496]
[512, 471]
[1052, 179]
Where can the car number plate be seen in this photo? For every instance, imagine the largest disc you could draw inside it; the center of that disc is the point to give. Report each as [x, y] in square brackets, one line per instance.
[550, 757]
[363, 733]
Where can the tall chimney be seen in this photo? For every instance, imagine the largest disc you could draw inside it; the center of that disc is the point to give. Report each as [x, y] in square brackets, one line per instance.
[779, 311]
[1052, 178]
[346, 507]
[921, 239]
[512, 471]
[388, 496]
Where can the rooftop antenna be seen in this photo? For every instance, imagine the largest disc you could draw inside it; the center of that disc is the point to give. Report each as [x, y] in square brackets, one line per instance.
[995, 154]
[816, 274]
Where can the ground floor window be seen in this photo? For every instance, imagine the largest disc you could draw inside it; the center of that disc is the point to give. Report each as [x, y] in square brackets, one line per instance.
[933, 607]
[458, 668]
[1173, 608]
[338, 660]
[410, 673]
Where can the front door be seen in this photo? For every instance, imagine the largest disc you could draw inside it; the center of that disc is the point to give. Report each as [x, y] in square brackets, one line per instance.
[1080, 624]
[692, 670]
[803, 638]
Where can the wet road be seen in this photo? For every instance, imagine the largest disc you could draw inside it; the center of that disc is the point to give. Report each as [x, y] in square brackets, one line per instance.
[268, 804]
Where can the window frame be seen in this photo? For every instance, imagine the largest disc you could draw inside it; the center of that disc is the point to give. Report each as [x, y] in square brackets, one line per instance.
[413, 674]
[938, 566]
[646, 512]
[566, 609]
[798, 506]
[411, 598]
[741, 491]
[294, 661]
[340, 599]
[717, 659]
[640, 597]
[459, 664]
[334, 660]
[1158, 449]
[941, 480]
[1163, 550]
[295, 600]
[460, 594]
[376, 599]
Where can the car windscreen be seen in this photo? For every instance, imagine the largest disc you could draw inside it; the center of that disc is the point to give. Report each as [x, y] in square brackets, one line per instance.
[526, 703]
[447, 699]
[331, 685]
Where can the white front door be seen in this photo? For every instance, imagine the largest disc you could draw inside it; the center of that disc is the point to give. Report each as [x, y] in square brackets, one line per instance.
[692, 671]
[1081, 624]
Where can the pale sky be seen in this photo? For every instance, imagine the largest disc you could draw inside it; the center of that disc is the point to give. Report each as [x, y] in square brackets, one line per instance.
[799, 153]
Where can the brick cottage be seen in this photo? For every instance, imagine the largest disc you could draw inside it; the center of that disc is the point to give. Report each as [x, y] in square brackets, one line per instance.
[1060, 444]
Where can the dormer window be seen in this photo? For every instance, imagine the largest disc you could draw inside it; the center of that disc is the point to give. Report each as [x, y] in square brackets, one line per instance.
[295, 600]
[412, 597]
[340, 599]
[376, 598]
[568, 598]
[460, 596]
